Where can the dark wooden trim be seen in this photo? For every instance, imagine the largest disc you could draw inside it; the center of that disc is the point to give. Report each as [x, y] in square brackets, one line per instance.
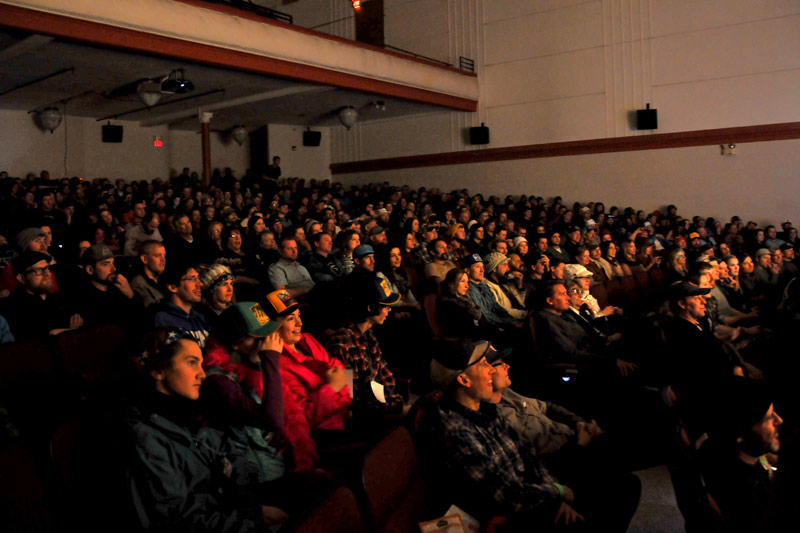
[157, 45]
[764, 132]
[228, 10]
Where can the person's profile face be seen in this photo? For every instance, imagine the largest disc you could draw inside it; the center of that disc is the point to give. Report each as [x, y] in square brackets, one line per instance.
[185, 374]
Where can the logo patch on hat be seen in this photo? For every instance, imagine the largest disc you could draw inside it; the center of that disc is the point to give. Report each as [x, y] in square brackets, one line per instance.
[385, 286]
[284, 296]
[259, 313]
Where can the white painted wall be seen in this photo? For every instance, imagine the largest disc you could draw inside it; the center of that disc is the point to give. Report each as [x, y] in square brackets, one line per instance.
[562, 70]
[297, 160]
[185, 150]
[26, 148]
[759, 183]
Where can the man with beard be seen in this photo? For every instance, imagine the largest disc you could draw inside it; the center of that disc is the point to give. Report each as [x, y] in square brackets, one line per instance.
[107, 298]
[185, 292]
[154, 259]
[33, 310]
[496, 275]
[735, 460]
[698, 361]
[439, 265]
[556, 251]
[458, 236]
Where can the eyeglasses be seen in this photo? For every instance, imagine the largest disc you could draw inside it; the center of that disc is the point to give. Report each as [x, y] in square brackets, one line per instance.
[191, 278]
[575, 291]
[39, 271]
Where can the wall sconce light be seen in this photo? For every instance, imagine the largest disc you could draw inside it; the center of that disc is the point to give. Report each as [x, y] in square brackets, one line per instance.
[728, 149]
[49, 118]
[348, 116]
[239, 134]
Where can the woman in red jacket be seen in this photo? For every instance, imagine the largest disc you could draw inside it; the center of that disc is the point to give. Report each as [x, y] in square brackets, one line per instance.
[315, 393]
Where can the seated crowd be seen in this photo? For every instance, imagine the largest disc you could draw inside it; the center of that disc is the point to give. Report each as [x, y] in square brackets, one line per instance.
[275, 328]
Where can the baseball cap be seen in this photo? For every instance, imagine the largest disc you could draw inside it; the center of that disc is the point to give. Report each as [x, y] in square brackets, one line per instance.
[244, 319]
[280, 303]
[453, 359]
[363, 250]
[471, 259]
[96, 253]
[376, 230]
[762, 251]
[384, 292]
[27, 259]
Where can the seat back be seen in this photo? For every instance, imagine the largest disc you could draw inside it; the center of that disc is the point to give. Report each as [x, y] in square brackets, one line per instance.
[430, 313]
[600, 293]
[89, 353]
[629, 292]
[615, 294]
[29, 387]
[335, 513]
[396, 495]
[645, 286]
[22, 503]
[659, 280]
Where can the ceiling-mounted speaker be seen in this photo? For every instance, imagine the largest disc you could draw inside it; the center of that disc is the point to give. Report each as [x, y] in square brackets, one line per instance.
[479, 134]
[647, 119]
[312, 138]
[112, 134]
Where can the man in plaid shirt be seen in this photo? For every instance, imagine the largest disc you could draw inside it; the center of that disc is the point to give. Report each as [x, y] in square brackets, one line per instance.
[497, 474]
[357, 347]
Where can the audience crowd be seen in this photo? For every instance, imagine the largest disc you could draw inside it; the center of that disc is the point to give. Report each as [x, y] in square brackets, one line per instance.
[275, 327]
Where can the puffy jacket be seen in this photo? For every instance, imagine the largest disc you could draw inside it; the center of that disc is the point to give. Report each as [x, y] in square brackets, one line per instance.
[309, 402]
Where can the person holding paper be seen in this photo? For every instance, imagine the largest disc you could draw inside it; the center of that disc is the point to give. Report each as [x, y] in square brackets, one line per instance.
[374, 394]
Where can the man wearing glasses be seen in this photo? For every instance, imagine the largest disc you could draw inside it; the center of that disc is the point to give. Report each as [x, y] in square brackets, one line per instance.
[185, 292]
[32, 310]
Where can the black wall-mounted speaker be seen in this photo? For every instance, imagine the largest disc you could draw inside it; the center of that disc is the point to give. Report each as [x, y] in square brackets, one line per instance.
[479, 135]
[112, 134]
[312, 138]
[647, 119]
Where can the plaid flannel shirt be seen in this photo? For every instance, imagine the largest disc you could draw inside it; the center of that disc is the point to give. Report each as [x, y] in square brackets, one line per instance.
[360, 351]
[481, 446]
